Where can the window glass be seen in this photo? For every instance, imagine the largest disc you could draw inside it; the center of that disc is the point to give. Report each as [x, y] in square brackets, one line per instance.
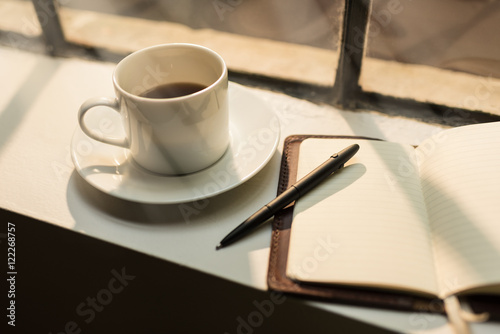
[18, 21]
[445, 52]
[294, 40]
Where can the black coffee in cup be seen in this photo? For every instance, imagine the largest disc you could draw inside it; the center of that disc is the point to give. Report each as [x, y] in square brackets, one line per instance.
[170, 90]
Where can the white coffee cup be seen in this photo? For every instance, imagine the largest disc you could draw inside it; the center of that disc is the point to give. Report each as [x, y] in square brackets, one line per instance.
[173, 135]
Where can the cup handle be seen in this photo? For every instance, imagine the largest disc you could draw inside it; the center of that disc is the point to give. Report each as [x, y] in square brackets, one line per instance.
[92, 133]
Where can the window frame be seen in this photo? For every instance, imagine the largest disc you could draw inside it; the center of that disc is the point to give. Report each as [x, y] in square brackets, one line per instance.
[346, 92]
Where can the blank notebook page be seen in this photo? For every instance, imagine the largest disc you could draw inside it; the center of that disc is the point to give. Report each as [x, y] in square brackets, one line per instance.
[366, 224]
[461, 181]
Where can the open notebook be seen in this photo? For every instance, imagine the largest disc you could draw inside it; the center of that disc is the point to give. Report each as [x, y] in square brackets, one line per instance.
[422, 221]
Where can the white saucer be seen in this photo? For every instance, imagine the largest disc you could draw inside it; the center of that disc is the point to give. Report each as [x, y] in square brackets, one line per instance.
[254, 132]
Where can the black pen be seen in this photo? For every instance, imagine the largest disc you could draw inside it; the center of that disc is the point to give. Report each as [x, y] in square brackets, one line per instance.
[295, 191]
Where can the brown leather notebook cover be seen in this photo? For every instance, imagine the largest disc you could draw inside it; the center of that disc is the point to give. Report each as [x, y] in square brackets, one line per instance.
[278, 281]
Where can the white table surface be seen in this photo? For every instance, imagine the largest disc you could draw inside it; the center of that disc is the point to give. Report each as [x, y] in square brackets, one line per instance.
[38, 105]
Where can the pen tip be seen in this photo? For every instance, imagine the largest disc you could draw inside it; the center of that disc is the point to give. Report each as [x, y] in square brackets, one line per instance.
[219, 246]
